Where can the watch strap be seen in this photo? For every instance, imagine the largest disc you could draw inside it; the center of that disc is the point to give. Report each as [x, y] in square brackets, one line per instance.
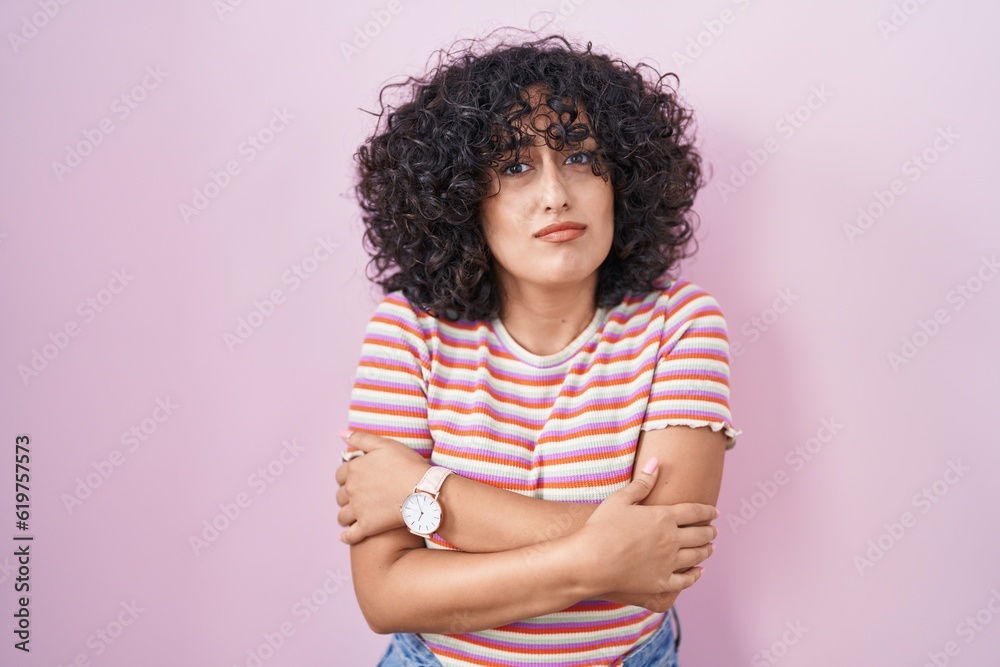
[432, 480]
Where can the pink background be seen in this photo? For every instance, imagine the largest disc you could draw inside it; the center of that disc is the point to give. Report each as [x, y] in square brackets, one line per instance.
[879, 97]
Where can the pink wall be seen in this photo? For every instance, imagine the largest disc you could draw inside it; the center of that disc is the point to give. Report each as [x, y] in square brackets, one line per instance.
[885, 107]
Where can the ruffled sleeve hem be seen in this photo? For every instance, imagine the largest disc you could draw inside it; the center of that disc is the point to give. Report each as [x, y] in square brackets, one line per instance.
[730, 431]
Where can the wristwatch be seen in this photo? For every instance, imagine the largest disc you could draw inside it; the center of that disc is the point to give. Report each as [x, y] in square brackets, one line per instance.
[421, 510]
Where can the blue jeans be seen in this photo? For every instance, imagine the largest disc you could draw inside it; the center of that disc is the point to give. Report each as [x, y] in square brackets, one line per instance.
[658, 650]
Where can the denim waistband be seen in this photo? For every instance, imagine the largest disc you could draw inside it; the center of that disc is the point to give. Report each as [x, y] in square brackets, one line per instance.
[658, 650]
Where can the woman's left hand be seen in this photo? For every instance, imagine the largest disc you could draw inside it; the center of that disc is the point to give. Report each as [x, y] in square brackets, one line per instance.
[373, 486]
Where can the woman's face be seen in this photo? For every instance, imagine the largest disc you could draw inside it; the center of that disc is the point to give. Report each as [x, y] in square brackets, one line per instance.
[551, 221]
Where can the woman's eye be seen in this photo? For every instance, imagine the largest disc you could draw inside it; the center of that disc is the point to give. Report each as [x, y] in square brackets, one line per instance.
[514, 168]
[583, 157]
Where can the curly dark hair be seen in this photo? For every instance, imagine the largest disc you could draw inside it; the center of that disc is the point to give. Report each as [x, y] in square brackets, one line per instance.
[428, 164]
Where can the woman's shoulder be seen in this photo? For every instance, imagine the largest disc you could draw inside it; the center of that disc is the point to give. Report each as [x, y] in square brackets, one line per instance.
[396, 310]
[691, 298]
[673, 298]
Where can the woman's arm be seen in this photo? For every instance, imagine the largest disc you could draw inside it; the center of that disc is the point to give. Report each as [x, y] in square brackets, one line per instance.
[691, 462]
[402, 587]
[477, 517]
[485, 518]
[690, 471]
[481, 518]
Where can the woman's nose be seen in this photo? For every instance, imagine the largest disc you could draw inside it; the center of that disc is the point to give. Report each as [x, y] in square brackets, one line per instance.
[554, 195]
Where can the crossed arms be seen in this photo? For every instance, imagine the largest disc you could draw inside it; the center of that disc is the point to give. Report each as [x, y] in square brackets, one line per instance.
[524, 557]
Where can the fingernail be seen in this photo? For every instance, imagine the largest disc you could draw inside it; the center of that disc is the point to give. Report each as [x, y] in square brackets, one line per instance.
[345, 434]
[342, 537]
[651, 466]
[717, 513]
[702, 570]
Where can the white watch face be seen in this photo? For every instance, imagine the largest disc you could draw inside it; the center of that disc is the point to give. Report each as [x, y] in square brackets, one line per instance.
[421, 513]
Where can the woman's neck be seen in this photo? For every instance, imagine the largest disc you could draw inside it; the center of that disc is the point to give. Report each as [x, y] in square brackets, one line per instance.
[544, 320]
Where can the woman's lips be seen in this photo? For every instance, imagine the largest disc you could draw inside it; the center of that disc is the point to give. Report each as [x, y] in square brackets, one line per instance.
[561, 232]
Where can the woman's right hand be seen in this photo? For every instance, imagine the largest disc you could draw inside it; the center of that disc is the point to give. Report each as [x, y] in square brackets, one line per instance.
[644, 554]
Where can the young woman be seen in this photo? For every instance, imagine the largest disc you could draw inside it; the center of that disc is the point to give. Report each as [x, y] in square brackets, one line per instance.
[540, 415]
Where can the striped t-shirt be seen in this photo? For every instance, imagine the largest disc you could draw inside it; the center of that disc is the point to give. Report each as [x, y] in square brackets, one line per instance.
[561, 427]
